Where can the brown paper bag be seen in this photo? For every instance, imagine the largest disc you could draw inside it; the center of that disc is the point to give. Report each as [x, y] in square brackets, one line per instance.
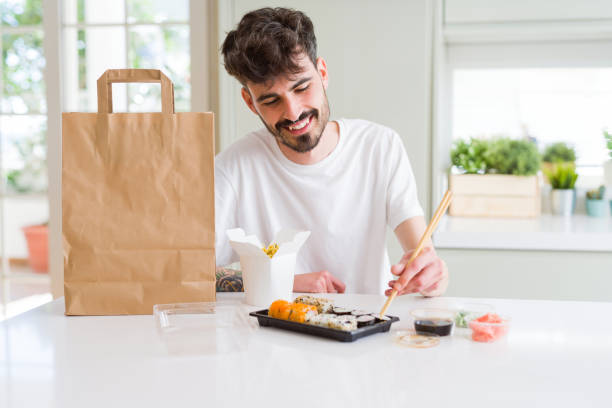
[138, 204]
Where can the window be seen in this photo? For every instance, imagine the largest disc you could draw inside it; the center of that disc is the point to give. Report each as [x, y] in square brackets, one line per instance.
[22, 104]
[502, 71]
[98, 35]
[23, 124]
[570, 105]
[541, 70]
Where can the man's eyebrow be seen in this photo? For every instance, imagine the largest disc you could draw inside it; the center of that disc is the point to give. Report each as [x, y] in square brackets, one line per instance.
[272, 94]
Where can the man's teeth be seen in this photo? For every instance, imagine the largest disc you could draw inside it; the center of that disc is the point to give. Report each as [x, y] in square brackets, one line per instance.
[298, 127]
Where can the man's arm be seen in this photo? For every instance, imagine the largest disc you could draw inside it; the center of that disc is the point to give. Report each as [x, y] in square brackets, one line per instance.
[318, 282]
[427, 274]
[409, 233]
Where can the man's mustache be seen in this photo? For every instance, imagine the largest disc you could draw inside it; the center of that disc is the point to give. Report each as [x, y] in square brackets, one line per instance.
[286, 123]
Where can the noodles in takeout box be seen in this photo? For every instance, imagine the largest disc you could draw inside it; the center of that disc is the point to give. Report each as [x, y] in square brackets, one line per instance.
[267, 271]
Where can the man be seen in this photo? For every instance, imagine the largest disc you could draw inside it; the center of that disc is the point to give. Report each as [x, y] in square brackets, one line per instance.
[343, 180]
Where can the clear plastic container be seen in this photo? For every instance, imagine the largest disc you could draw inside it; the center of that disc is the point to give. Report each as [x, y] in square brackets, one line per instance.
[468, 311]
[203, 327]
[412, 339]
[489, 331]
[437, 321]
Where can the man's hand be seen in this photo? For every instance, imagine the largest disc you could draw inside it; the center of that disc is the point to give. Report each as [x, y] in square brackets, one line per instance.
[427, 274]
[318, 282]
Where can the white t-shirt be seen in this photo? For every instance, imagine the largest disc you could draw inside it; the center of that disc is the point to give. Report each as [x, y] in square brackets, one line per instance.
[346, 200]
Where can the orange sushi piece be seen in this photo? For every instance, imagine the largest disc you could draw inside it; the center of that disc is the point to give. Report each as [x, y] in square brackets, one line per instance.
[299, 312]
[274, 309]
[284, 311]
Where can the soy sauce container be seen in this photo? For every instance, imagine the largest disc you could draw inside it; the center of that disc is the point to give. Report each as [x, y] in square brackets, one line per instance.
[437, 321]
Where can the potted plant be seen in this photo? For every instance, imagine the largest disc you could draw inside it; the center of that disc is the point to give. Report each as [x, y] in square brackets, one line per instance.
[495, 178]
[37, 238]
[558, 153]
[562, 178]
[595, 203]
[29, 175]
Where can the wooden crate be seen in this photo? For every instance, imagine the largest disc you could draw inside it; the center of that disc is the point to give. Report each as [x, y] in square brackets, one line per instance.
[493, 195]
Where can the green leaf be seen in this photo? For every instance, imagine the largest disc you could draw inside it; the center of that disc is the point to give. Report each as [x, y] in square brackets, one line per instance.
[563, 176]
[559, 152]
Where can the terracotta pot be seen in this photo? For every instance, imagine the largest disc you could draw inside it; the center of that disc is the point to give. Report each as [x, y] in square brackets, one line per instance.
[38, 247]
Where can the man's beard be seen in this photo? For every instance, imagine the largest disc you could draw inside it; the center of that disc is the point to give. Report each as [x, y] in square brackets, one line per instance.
[308, 141]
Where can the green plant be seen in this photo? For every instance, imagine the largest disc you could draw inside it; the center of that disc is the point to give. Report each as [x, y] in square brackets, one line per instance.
[31, 175]
[562, 176]
[469, 156]
[510, 156]
[596, 193]
[608, 137]
[559, 152]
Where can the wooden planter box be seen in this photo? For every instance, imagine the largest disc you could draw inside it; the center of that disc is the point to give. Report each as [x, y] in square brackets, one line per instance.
[493, 195]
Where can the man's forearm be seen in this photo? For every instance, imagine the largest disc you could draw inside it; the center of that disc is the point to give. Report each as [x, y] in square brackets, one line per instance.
[409, 233]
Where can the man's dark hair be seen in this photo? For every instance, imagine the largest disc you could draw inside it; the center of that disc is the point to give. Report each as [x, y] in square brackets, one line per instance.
[266, 44]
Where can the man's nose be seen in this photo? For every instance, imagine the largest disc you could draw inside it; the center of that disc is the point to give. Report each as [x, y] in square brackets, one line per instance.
[293, 110]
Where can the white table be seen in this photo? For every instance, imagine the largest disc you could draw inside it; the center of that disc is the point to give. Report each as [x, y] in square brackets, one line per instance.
[557, 354]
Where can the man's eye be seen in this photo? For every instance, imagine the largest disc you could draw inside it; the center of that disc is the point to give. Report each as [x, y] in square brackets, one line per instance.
[272, 102]
[302, 89]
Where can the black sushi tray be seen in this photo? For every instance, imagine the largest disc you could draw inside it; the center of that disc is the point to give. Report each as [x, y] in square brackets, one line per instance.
[336, 334]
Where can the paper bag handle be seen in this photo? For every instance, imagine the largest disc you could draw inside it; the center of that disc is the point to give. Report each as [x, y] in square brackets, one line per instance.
[110, 76]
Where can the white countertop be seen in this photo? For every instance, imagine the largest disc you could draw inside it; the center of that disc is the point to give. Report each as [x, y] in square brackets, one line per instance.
[545, 233]
[557, 354]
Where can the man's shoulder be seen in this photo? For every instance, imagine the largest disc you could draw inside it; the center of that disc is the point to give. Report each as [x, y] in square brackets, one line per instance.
[250, 144]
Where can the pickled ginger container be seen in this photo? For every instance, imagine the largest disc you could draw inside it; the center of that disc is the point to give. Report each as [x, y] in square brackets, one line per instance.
[265, 278]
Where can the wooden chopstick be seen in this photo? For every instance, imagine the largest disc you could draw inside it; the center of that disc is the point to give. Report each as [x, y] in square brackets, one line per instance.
[433, 223]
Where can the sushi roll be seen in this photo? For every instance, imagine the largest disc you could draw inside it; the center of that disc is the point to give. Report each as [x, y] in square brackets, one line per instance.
[284, 311]
[314, 320]
[301, 312]
[379, 317]
[323, 305]
[274, 308]
[341, 311]
[358, 313]
[365, 320]
[325, 319]
[305, 299]
[344, 322]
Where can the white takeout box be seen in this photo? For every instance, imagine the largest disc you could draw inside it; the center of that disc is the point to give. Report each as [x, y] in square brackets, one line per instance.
[267, 279]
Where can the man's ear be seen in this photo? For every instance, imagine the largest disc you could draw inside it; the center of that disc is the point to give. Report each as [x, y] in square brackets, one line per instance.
[322, 69]
[246, 95]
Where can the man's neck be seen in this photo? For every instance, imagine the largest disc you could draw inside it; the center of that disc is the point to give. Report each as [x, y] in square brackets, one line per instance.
[327, 144]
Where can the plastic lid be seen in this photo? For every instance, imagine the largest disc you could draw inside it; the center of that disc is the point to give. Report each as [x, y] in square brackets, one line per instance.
[414, 339]
[203, 327]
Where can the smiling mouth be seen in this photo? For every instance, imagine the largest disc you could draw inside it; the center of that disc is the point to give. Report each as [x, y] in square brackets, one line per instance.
[300, 127]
